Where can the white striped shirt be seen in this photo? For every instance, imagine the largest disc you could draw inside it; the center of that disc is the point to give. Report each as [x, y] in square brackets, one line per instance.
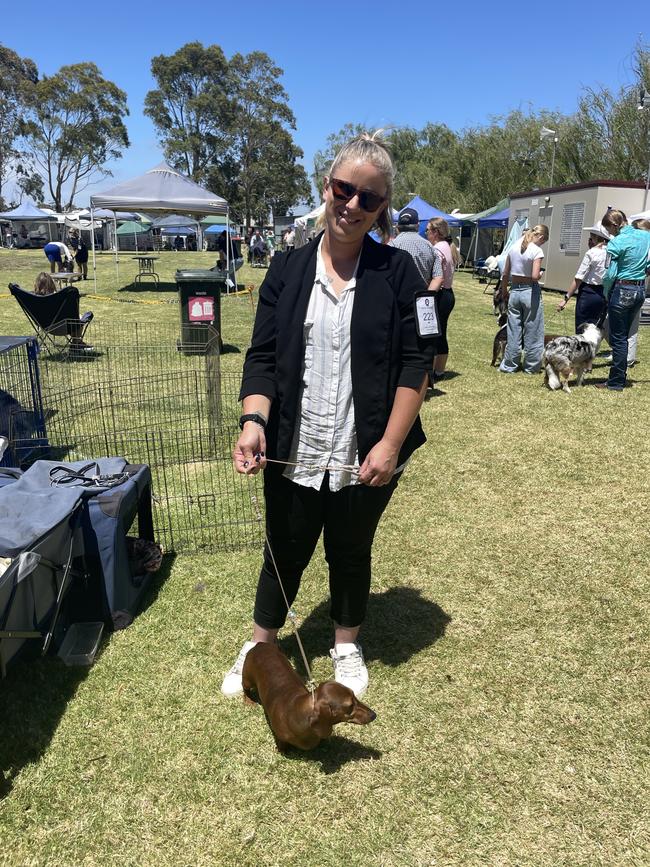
[325, 432]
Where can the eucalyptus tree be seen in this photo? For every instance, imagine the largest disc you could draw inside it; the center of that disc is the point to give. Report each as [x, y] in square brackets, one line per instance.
[16, 74]
[73, 128]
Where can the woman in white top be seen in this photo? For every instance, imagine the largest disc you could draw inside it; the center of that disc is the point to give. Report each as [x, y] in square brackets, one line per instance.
[525, 309]
[591, 305]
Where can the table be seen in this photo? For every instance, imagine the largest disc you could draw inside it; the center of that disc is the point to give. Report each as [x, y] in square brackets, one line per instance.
[65, 278]
[146, 268]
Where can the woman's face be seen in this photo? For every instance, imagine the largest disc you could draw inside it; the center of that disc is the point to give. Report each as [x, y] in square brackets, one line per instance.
[432, 235]
[539, 239]
[347, 221]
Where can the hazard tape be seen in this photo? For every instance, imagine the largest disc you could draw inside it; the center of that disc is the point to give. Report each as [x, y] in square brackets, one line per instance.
[239, 292]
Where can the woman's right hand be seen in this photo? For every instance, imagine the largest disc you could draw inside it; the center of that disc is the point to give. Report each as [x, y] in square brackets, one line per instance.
[561, 306]
[249, 454]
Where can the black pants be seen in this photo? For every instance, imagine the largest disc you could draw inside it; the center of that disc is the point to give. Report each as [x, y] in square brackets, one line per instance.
[591, 305]
[295, 517]
[446, 301]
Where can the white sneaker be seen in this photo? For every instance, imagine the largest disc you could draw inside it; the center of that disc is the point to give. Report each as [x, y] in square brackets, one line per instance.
[349, 668]
[232, 681]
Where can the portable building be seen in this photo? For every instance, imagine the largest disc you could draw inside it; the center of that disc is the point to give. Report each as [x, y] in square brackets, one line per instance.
[566, 211]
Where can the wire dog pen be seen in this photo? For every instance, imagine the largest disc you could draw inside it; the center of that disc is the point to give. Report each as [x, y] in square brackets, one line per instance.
[141, 395]
[22, 416]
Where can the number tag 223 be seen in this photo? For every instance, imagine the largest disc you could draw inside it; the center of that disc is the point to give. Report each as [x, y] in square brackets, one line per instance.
[426, 314]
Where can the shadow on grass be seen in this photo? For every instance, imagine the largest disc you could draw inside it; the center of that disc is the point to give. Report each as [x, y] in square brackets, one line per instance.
[333, 753]
[36, 692]
[149, 286]
[399, 623]
[156, 584]
[35, 695]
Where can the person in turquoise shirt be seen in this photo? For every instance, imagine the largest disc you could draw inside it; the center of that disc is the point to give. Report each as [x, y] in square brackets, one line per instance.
[624, 283]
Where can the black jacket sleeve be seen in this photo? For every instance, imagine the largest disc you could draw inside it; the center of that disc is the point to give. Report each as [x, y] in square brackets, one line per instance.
[417, 352]
[259, 376]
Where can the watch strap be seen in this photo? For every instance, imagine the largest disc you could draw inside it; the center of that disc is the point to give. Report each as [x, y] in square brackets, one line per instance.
[252, 416]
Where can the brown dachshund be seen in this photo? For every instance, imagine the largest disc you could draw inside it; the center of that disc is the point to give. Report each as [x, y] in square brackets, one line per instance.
[295, 717]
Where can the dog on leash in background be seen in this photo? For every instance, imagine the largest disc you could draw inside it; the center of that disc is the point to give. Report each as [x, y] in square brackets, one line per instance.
[295, 716]
[500, 339]
[499, 300]
[566, 355]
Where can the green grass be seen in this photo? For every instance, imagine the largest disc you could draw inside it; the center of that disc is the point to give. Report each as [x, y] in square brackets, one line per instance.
[507, 642]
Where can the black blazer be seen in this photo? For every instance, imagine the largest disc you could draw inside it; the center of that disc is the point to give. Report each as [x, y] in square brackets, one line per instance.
[385, 349]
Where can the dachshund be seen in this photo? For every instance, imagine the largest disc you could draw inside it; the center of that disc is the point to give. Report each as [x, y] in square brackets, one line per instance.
[295, 716]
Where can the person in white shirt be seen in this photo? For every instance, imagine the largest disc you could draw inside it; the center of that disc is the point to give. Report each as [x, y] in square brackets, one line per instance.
[591, 305]
[525, 309]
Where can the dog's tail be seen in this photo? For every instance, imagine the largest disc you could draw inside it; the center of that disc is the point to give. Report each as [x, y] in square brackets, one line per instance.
[552, 379]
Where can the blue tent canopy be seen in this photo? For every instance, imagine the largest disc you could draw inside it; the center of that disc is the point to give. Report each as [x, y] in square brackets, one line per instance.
[217, 230]
[177, 230]
[426, 212]
[495, 221]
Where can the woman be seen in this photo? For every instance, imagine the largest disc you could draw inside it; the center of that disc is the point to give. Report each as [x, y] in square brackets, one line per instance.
[58, 254]
[80, 252]
[525, 310]
[437, 233]
[624, 282]
[591, 305]
[334, 378]
[44, 284]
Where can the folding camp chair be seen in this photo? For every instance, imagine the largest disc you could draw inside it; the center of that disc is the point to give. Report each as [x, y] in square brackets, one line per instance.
[55, 318]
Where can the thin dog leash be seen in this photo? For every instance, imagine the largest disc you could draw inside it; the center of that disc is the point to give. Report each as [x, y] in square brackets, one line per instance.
[351, 468]
[311, 683]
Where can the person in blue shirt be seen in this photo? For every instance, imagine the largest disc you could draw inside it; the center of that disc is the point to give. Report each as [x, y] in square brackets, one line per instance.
[624, 283]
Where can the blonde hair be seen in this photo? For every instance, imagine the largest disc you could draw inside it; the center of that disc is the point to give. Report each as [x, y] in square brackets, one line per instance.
[614, 220]
[641, 224]
[540, 231]
[369, 148]
[441, 226]
[44, 284]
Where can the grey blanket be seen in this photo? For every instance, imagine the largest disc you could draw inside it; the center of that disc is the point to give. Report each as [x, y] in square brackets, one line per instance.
[32, 506]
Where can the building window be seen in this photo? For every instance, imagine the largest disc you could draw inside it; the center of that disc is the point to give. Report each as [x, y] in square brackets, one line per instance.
[571, 232]
[521, 215]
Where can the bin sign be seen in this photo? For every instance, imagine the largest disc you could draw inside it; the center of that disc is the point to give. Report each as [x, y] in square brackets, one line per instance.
[200, 309]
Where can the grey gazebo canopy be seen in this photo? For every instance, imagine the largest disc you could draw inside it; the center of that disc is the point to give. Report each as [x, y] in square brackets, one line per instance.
[160, 189]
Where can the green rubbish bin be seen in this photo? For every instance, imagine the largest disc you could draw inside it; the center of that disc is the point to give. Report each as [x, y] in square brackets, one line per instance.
[199, 296]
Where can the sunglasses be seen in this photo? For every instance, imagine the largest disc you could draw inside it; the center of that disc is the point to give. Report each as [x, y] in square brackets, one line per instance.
[368, 201]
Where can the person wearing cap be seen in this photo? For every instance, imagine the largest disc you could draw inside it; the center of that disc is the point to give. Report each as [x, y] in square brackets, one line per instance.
[427, 260]
[591, 305]
[624, 284]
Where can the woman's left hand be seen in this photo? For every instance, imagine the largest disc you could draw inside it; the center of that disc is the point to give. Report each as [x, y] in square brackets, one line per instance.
[379, 466]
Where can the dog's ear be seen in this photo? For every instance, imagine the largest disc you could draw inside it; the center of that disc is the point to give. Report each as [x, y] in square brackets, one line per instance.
[340, 699]
[320, 717]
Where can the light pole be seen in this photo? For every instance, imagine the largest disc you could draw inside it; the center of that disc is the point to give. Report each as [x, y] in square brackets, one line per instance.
[644, 102]
[545, 133]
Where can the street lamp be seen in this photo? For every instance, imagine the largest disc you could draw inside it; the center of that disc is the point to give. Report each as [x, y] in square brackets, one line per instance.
[644, 102]
[545, 133]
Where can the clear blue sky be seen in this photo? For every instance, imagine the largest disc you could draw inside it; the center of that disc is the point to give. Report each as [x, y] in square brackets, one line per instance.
[377, 63]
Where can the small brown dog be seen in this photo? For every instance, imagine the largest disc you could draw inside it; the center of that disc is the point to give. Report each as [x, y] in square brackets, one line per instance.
[295, 717]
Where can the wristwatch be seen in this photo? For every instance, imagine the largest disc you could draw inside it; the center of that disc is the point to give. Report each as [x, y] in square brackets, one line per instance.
[252, 416]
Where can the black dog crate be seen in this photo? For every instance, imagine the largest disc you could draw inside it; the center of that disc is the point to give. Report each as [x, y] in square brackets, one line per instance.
[22, 416]
[199, 295]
